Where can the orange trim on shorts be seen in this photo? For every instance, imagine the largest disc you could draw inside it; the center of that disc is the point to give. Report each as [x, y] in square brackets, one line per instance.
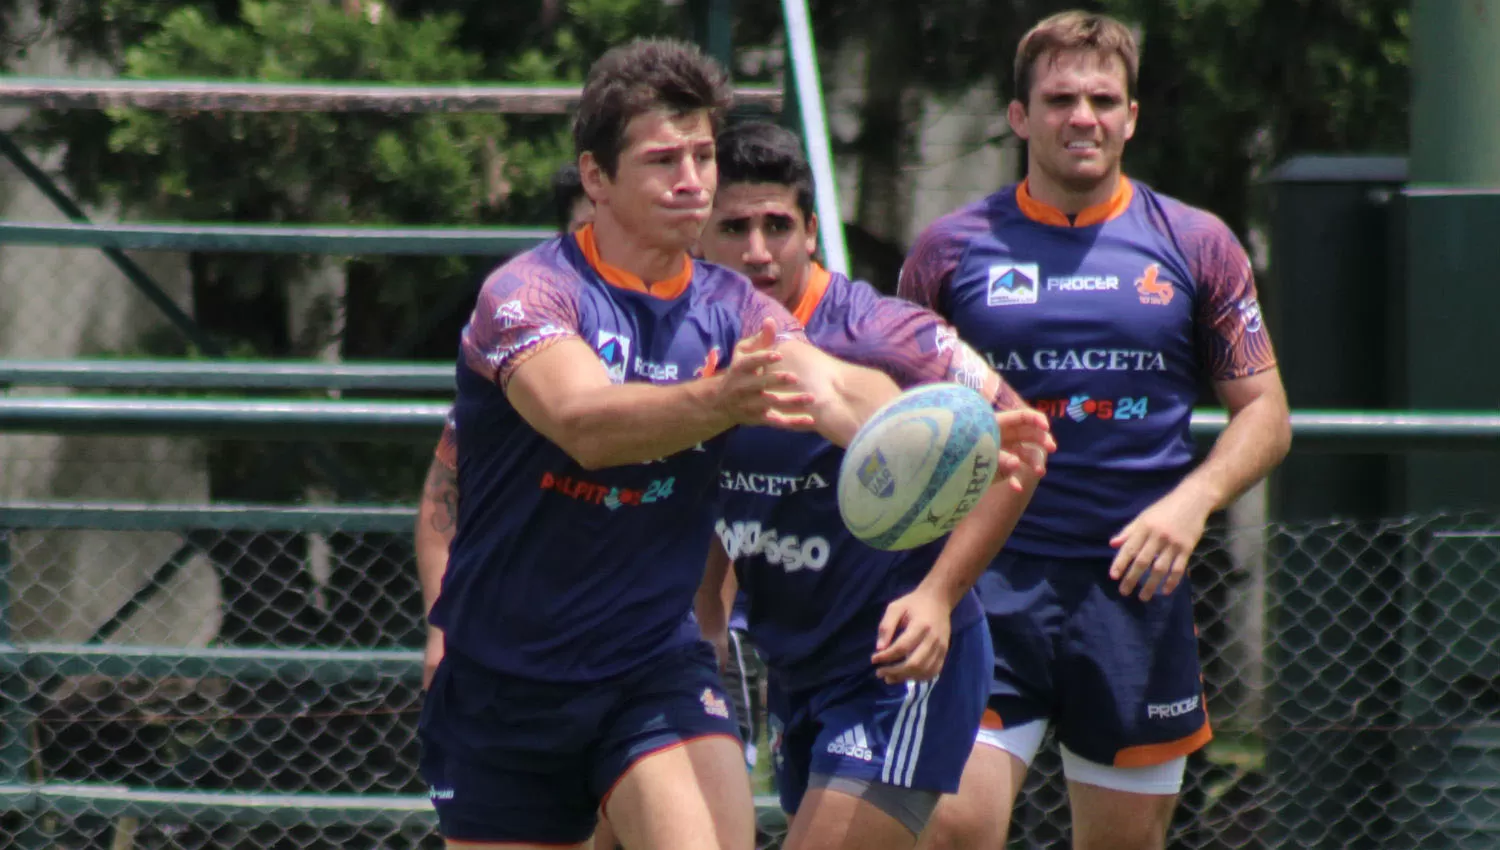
[991, 720]
[1096, 214]
[818, 279]
[616, 276]
[1149, 755]
[604, 801]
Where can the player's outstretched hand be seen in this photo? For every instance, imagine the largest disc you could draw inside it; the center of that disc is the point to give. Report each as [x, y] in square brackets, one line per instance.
[431, 656]
[1155, 547]
[913, 638]
[1025, 442]
[754, 392]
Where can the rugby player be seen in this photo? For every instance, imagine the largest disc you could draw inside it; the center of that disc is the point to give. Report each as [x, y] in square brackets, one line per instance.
[1106, 305]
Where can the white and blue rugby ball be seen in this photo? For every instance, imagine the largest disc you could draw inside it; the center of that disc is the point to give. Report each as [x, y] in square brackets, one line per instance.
[918, 466]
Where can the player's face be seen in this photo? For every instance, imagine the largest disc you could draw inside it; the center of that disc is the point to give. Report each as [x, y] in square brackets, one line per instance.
[1077, 121]
[664, 182]
[757, 229]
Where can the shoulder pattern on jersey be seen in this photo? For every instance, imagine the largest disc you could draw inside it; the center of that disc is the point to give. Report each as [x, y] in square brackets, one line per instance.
[1229, 330]
[940, 248]
[525, 306]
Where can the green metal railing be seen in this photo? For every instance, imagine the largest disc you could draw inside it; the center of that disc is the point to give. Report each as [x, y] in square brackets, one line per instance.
[1322, 431]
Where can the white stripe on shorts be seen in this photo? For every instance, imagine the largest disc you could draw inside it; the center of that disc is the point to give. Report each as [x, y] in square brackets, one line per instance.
[906, 736]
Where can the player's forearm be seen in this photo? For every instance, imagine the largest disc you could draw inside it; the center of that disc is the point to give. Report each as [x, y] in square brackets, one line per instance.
[1256, 439]
[636, 422]
[715, 597]
[978, 538]
[432, 563]
[437, 522]
[844, 395]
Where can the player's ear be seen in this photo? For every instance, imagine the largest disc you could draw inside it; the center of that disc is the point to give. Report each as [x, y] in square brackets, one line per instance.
[812, 234]
[592, 175]
[1015, 114]
[1135, 108]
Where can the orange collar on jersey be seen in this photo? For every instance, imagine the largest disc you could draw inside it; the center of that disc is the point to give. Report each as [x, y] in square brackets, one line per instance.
[616, 276]
[1096, 214]
[817, 284]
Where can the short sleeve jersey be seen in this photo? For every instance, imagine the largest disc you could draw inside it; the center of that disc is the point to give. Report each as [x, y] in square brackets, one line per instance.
[815, 592]
[1110, 323]
[556, 572]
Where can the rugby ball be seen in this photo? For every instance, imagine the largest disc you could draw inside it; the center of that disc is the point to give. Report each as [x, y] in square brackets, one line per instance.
[918, 466]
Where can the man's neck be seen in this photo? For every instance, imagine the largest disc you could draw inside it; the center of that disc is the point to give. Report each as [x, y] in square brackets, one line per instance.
[1067, 202]
[619, 248]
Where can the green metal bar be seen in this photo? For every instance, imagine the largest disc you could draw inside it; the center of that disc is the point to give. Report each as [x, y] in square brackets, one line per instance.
[153, 292]
[385, 811]
[41, 660]
[1354, 432]
[1338, 432]
[121, 516]
[227, 374]
[382, 811]
[240, 96]
[286, 239]
[264, 420]
[137, 276]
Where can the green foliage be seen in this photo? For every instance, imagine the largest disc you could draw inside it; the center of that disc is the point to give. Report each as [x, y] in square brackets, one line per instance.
[1229, 88]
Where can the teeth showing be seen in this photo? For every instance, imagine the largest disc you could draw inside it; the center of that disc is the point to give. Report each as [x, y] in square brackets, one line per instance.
[1083, 146]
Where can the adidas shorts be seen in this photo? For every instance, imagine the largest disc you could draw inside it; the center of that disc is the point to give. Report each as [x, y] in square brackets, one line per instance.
[911, 735]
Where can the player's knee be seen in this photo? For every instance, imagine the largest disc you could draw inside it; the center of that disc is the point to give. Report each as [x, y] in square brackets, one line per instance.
[965, 822]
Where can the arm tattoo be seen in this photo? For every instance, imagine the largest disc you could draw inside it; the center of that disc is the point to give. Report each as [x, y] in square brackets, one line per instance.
[441, 490]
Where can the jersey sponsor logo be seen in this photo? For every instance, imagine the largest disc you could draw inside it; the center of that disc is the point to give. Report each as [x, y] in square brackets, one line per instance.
[710, 365]
[436, 793]
[1080, 360]
[510, 314]
[1250, 314]
[1083, 407]
[713, 704]
[744, 539]
[853, 743]
[656, 372]
[1168, 710]
[605, 495]
[1013, 283]
[614, 350]
[766, 484]
[1152, 289]
[1083, 283]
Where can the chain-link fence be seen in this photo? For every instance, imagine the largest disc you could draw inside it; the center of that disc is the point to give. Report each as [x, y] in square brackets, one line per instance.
[1353, 672]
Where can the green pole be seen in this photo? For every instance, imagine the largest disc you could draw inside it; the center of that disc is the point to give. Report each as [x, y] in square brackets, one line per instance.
[1455, 96]
[1452, 209]
[713, 29]
[1449, 312]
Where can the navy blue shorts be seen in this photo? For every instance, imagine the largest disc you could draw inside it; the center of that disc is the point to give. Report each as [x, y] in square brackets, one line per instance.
[518, 760]
[912, 735]
[1119, 678]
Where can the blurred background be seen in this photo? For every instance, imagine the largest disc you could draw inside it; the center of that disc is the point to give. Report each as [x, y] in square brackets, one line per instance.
[227, 334]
